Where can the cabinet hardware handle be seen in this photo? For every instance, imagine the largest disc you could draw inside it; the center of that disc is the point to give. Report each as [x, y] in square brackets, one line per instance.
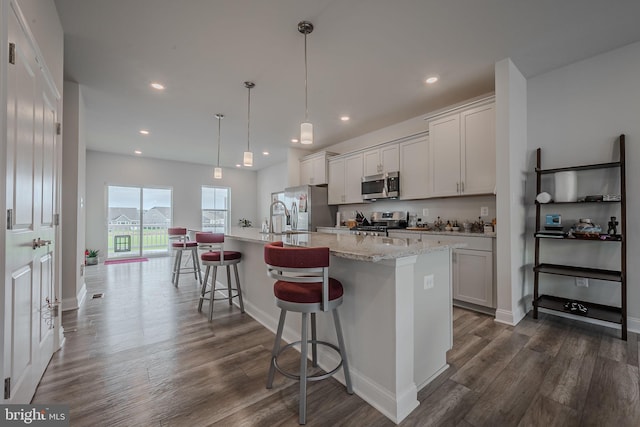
[457, 187]
[462, 187]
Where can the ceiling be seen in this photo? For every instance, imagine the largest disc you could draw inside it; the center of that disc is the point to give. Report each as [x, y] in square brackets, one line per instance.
[367, 59]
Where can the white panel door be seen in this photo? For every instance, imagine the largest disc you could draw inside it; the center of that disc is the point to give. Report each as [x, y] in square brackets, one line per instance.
[478, 144]
[30, 198]
[444, 138]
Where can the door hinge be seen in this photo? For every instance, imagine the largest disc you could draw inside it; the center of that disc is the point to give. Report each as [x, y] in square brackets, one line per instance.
[12, 53]
[9, 219]
[7, 388]
[58, 128]
[56, 219]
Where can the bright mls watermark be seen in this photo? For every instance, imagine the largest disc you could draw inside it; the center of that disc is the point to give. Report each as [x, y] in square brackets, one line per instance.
[34, 415]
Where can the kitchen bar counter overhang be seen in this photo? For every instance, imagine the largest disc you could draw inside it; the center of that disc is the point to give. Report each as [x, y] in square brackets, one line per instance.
[396, 314]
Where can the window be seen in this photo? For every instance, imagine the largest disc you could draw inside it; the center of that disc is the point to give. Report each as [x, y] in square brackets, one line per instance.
[215, 209]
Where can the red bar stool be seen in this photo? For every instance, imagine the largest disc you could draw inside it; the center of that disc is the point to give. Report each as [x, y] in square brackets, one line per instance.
[303, 285]
[218, 257]
[180, 243]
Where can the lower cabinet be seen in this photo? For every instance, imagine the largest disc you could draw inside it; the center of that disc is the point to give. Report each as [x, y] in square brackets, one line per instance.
[473, 277]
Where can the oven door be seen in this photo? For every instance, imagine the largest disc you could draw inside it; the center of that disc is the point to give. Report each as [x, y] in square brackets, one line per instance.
[374, 187]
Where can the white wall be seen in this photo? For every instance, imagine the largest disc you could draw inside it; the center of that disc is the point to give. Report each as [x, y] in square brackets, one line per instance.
[186, 180]
[270, 180]
[511, 172]
[575, 114]
[73, 194]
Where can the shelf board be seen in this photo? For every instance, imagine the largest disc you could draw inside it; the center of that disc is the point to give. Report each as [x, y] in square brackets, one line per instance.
[578, 203]
[580, 168]
[577, 239]
[590, 273]
[594, 311]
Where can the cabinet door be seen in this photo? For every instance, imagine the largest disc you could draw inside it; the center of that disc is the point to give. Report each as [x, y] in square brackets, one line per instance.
[306, 172]
[372, 165]
[390, 158]
[444, 138]
[473, 276]
[353, 168]
[478, 145]
[319, 170]
[335, 190]
[414, 169]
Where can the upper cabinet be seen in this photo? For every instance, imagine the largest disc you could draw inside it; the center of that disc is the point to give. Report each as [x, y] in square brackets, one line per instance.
[415, 177]
[462, 152]
[345, 179]
[313, 169]
[382, 159]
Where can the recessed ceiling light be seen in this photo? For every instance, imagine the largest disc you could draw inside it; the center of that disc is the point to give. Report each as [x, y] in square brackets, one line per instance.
[294, 140]
[144, 132]
[238, 165]
[344, 118]
[138, 152]
[265, 153]
[431, 80]
[158, 86]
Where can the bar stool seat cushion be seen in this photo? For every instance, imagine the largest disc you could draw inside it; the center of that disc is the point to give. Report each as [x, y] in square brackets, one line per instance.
[184, 244]
[306, 293]
[215, 256]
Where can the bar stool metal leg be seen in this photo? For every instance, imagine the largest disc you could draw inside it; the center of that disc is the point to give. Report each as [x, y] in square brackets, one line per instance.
[314, 346]
[276, 348]
[303, 371]
[213, 291]
[178, 267]
[229, 294]
[235, 270]
[196, 264]
[343, 351]
[203, 291]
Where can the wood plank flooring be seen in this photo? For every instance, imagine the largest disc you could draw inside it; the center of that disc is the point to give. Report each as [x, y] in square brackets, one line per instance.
[143, 356]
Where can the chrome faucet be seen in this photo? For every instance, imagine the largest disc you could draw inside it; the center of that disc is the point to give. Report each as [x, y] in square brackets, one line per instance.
[286, 212]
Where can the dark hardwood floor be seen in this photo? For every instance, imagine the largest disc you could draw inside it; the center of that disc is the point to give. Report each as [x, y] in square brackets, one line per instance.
[143, 356]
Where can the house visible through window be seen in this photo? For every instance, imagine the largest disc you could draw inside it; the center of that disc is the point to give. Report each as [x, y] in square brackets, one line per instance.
[215, 209]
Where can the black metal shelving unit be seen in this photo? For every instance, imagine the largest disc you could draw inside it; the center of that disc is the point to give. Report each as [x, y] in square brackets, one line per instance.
[613, 314]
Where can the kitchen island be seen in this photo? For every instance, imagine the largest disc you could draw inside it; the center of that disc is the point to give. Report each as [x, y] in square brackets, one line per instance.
[396, 314]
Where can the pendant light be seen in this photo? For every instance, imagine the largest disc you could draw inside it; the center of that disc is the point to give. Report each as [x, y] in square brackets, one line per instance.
[217, 171]
[306, 128]
[247, 159]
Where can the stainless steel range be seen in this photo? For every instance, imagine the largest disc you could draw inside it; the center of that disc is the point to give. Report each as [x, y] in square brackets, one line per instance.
[380, 223]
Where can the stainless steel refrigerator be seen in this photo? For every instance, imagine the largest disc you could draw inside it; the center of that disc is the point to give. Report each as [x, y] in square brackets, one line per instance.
[309, 208]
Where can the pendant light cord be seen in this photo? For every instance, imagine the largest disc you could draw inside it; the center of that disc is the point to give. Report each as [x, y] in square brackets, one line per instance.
[306, 108]
[248, 116]
[219, 120]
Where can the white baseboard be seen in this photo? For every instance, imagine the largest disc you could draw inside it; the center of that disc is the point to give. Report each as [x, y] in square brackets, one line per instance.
[75, 302]
[633, 324]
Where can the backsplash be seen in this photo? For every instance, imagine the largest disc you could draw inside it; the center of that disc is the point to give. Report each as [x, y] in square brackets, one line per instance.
[453, 208]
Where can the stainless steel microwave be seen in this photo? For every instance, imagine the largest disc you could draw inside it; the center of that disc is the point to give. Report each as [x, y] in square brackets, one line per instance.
[381, 186]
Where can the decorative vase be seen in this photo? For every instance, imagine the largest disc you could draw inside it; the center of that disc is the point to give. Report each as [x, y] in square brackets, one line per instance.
[92, 260]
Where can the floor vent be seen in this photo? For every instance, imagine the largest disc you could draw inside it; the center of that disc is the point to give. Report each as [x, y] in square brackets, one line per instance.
[100, 295]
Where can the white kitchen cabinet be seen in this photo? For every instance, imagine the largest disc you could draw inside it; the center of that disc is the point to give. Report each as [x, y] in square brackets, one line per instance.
[345, 179]
[463, 153]
[313, 169]
[415, 182]
[473, 268]
[382, 159]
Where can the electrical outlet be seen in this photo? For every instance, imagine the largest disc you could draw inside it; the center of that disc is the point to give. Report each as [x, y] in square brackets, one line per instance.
[425, 212]
[582, 282]
[428, 281]
[484, 211]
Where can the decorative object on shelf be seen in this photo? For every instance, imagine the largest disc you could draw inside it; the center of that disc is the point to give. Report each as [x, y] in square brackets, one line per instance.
[611, 198]
[612, 230]
[217, 171]
[543, 197]
[306, 128]
[566, 184]
[553, 222]
[586, 227]
[448, 227]
[575, 307]
[247, 158]
[91, 256]
[244, 222]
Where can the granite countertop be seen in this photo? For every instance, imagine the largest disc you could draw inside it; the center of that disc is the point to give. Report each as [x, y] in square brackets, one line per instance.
[445, 233]
[360, 248]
